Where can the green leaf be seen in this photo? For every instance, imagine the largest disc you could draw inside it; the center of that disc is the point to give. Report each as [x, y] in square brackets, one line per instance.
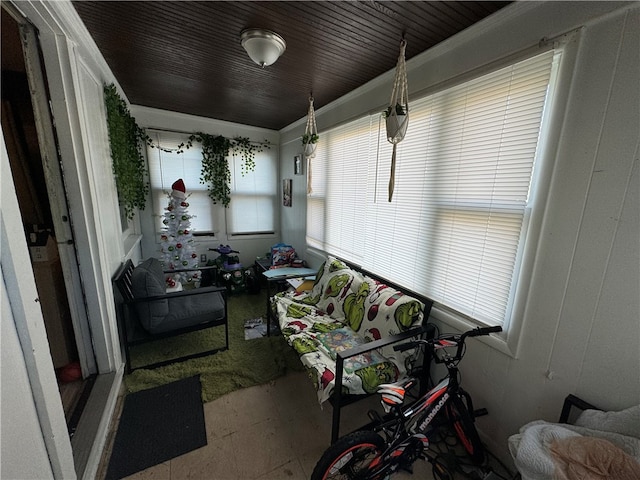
[126, 139]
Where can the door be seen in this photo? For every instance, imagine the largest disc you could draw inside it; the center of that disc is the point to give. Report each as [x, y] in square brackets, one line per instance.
[32, 145]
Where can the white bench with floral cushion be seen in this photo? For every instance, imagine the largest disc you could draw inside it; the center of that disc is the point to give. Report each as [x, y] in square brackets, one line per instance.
[344, 330]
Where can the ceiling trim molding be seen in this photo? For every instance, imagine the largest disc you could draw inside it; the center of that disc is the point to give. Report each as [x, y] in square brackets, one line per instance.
[149, 117]
[61, 18]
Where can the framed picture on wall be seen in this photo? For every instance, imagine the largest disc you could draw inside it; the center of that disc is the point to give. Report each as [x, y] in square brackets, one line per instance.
[297, 165]
[286, 192]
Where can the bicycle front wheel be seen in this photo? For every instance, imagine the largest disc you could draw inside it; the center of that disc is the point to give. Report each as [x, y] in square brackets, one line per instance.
[350, 457]
[466, 432]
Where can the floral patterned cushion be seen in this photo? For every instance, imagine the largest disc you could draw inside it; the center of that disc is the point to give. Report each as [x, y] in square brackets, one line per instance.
[317, 337]
[377, 311]
[344, 309]
[334, 281]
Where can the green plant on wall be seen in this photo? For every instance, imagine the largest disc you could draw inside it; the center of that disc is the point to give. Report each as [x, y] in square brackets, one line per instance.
[215, 171]
[247, 150]
[126, 139]
[215, 167]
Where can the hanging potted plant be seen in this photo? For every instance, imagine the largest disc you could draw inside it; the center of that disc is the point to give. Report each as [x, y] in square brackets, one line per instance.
[309, 143]
[397, 121]
[310, 137]
[397, 113]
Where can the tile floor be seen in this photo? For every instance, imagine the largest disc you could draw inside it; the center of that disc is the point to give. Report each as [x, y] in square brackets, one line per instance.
[271, 432]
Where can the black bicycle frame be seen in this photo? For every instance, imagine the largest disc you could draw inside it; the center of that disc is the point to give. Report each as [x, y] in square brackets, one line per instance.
[412, 421]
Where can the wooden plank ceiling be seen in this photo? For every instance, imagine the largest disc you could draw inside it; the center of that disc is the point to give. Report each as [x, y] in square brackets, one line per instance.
[186, 56]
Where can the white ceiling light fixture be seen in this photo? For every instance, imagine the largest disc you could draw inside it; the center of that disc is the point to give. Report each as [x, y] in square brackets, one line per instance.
[263, 46]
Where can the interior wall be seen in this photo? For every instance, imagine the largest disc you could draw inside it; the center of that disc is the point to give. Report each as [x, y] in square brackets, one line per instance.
[580, 323]
[293, 219]
[250, 246]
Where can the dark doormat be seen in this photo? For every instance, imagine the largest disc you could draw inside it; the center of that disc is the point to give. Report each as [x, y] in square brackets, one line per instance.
[156, 425]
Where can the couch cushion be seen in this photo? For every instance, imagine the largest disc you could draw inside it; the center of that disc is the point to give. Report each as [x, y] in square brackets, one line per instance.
[147, 280]
[192, 310]
[317, 337]
[382, 310]
[334, 281]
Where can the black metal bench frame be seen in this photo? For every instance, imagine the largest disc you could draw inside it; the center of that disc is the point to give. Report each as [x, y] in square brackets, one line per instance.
[131, 331]
[573, 402]
[426, 330]
[338, 399]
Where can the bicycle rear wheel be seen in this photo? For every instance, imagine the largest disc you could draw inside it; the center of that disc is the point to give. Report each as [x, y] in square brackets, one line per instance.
[466, 432]
[350, 457]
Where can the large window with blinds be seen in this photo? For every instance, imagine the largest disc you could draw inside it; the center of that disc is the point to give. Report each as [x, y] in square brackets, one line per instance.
[252, 209]
[456, 226]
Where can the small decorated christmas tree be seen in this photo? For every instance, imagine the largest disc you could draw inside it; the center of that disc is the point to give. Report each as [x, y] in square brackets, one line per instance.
[176, 241]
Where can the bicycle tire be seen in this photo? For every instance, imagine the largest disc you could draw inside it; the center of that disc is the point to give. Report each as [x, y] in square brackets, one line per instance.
[354, 452]
[465, 429]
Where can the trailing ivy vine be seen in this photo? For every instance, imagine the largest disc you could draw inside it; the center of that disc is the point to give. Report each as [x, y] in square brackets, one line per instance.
[215, 165]
[126, 139]
[215, 168]
[247, 151]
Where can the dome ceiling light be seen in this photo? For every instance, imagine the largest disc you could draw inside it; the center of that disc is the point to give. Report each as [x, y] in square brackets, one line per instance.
[263, 46]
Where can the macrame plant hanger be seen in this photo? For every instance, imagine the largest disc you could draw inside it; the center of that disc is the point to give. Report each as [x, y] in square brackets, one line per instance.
[309, 141]
[397, 114]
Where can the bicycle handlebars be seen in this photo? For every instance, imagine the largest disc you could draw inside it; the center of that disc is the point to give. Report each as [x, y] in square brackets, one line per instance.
[477, 332]
[458, 340]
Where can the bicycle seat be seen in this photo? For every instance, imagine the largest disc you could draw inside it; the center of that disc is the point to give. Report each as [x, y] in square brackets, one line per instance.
[393, 393]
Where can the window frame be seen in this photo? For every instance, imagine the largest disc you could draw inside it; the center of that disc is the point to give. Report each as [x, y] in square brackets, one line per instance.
[219, 214]
[553, 113]
[273, 195]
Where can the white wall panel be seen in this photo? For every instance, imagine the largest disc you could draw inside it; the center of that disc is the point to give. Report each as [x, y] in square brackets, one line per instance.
[97, 151]
[612, 123]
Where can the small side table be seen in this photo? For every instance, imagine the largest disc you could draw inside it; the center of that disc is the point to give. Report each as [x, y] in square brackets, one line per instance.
[261, 265]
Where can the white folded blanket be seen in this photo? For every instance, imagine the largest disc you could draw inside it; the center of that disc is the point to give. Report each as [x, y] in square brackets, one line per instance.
[531, 449]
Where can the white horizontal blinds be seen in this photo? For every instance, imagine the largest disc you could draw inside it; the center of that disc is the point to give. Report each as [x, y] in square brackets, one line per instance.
[316, 211]
[336, 208]
[253, 195]
[457, 229]
[395, 230]
[167, 167]
[349, 149]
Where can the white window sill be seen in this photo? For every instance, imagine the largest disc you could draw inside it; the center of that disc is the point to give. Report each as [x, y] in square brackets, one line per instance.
[503, 342]
[130, 243]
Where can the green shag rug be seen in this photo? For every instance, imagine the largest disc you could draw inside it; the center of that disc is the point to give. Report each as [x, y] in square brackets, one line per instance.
[245, 364]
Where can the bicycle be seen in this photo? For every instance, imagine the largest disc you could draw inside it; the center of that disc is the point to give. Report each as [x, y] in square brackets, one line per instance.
[399, 438]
